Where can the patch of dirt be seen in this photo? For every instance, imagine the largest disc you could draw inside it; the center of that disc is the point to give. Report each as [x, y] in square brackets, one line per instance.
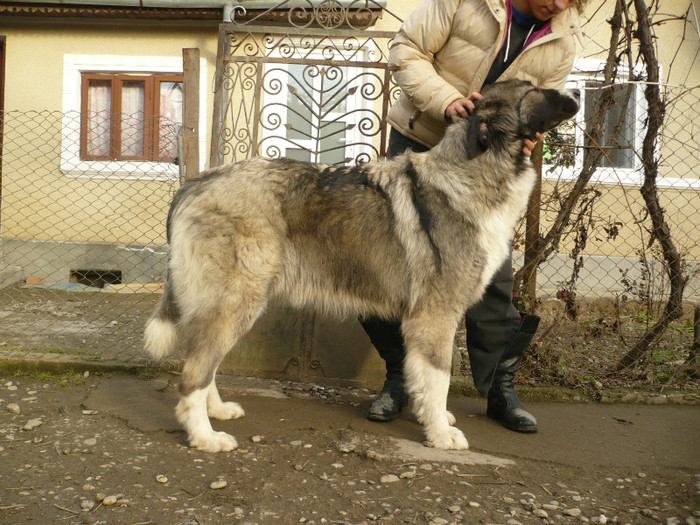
[107, 450]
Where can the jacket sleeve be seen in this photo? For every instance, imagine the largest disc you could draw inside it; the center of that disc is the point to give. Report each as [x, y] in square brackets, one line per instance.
[411, 56]
[557, 78]
[564, 62]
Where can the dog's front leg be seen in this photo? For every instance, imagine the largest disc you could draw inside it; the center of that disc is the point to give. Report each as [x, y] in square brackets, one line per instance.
[428, 339]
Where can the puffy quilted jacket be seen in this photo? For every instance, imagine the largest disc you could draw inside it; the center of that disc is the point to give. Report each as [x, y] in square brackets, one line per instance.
[444, 51]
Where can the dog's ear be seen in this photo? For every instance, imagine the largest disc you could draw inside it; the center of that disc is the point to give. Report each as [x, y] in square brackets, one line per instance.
[477, 135]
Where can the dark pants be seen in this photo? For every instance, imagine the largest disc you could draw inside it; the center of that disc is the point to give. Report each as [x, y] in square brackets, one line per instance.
[491, 324]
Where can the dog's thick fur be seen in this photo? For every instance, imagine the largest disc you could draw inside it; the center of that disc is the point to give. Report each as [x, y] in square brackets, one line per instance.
[415, 238]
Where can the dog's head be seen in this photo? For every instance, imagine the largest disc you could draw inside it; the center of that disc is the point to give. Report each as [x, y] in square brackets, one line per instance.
[515, 109]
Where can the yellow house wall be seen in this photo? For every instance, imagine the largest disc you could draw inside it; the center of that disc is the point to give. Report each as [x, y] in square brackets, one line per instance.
[618, 204]
[40, 202]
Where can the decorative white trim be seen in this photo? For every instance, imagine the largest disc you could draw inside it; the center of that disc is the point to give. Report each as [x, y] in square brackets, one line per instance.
[73, 66]
[354, 139]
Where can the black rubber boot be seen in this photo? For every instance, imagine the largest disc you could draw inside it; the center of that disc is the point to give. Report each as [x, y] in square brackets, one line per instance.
[503, 402]
[389, 403]
[388, 340]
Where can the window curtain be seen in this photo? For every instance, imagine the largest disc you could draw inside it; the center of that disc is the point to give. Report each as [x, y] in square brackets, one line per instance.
[133, 118]
[99, 127]
[170, 125]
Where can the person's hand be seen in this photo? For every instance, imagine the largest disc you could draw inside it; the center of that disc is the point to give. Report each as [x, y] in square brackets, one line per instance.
[462, 107]
[529, 145]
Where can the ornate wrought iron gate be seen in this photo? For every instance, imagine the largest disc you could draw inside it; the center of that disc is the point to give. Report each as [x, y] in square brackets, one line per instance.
[317, 88]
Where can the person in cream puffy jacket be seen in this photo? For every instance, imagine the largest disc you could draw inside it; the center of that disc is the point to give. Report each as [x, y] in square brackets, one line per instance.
[443, 54]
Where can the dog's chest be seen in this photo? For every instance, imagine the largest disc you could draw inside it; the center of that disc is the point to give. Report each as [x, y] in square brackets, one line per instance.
[497, 226]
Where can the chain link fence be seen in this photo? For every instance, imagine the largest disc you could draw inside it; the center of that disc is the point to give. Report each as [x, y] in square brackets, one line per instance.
[606, 249]
[83, 249]
[82, 243]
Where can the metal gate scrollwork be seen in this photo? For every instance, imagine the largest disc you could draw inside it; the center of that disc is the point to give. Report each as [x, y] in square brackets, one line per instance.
[316, 88]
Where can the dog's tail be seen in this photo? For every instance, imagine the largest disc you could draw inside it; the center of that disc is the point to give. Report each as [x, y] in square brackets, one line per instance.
[160, 335]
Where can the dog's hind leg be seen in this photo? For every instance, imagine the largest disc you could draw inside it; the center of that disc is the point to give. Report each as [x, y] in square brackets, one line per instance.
[429, 336]
[209, 336]
[219, 409]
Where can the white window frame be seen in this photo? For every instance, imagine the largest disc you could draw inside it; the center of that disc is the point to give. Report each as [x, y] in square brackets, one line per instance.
[73, 67]
[357, 141]
[586, 70]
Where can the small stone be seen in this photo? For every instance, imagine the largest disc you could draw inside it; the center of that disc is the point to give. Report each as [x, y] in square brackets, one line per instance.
[602, 519]
[160, 478]
[454, 508]
[90, 442]
[13, 408]
[256, 439]
[389, 478]
[296, 443]
[409, 474]
[474, 504]
[100, 496]
[540, 513]
[109, 501]
[87, 487]
[89, 412]
[32, 424]
[439, 521]
[219, 484]
[513, 521]
[8, 384]
[12, 388]
[574, 513]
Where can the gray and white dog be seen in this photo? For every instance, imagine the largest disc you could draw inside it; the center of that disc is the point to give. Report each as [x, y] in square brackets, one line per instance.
[415, 238]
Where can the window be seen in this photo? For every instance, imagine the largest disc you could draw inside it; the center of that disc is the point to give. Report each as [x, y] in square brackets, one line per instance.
[132, 163]
[620, 164]
[319, 111]
[621, 153]
[130, 116]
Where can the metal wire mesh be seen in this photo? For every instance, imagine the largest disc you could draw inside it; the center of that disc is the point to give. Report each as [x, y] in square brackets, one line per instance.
[607, 248]
[82, 245]
[83, 249]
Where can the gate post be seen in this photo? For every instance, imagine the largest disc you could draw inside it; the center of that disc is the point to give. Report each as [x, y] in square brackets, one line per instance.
[190, 110]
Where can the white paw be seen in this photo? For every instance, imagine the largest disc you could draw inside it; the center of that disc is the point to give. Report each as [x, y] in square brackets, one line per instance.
[452, 439]
[214, 442]
[451, 418]
[224, 411]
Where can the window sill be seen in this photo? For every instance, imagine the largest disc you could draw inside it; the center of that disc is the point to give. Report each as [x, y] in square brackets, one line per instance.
[619, 177]
[122, 170]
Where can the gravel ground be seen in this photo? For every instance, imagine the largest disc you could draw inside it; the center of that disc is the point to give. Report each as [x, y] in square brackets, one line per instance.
[87, 449]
